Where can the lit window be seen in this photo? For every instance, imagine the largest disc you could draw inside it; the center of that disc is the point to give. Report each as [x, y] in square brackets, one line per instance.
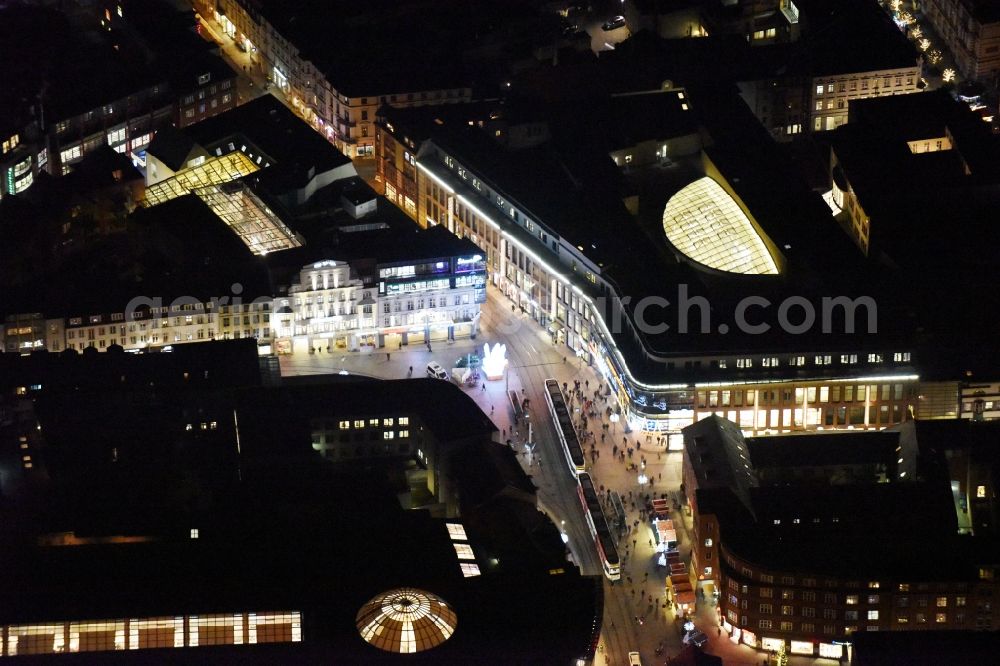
[464, 551]
[941, 618]
[942, 602]
[980, 492]
[388, 434]
[373, 423]
[852, 600]
[194, 532]
[708, 543]
[387, 422]
[359, 424]
[404, 420]
[456, 531]
[404, 434]
[469, 570]
[873, 615]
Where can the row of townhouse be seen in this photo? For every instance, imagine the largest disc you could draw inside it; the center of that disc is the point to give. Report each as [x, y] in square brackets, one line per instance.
[344, 116]
[436, 295]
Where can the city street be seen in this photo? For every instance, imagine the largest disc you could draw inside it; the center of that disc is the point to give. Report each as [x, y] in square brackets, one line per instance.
[533, 358]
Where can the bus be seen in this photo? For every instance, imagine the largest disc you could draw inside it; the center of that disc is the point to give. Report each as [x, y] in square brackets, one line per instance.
[598, 524]
[564, 427]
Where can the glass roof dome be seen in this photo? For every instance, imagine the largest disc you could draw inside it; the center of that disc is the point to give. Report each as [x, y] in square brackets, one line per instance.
[708, 226]
[406, 620]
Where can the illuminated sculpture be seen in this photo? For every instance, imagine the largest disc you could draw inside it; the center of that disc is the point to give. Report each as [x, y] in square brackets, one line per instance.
[494, 361]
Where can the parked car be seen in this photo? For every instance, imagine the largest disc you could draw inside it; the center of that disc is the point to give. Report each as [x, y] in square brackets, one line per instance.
[613, 24]
[696, 637]
[634, 659]
[436, 371]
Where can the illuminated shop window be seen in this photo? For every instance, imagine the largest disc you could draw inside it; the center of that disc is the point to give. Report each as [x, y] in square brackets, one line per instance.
[464, 551]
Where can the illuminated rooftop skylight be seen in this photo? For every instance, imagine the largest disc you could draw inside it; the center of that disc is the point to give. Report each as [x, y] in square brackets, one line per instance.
[708, 226]
[406, 620]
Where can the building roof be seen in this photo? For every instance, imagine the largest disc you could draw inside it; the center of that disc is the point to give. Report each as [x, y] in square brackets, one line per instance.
[375, 55]
[284, 139]
[850, 448]
[84, 73]
[633, 118]
[449, 412]
[826, 529]
[839, 37]
[719, 457]
[279, 528]
[215, 364]
[924, 648]
[984, 11]
[171, 146]
[705, 224]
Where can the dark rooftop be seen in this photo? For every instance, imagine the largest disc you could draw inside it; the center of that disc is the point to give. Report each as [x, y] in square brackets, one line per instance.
[286, 140]
[849, 448]
[171, 146]
[840, 37]
[82, 74]
[448, 411]
[924, 648]
[279, 527]
[375, 54]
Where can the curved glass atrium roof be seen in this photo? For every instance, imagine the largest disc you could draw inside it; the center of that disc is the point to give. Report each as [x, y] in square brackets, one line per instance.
[406, 620]
[708, 226]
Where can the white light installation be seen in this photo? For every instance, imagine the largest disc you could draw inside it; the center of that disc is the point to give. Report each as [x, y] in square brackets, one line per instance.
[708, 226]
[494, 360]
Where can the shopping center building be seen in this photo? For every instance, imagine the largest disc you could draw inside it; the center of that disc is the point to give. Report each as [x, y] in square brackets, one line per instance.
[589, 254]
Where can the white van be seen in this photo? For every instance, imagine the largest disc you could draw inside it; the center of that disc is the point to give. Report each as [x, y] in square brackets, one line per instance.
[436, 371]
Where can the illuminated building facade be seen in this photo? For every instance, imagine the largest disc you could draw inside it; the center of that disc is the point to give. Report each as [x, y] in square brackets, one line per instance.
[328, 308]
[971, 30]
[841, 567]
[847, 50]
[343, 111]
[558, 284]
[421, 288]
[186, 631]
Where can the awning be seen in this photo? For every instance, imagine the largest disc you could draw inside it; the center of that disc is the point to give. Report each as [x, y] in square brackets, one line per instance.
[555, 326]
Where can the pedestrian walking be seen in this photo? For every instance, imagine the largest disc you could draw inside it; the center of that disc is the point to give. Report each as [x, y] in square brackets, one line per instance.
[484, 387]
[491, 410]
[387, 356]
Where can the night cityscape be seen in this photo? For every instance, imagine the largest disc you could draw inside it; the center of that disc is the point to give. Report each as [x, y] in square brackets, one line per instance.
[555, 332]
